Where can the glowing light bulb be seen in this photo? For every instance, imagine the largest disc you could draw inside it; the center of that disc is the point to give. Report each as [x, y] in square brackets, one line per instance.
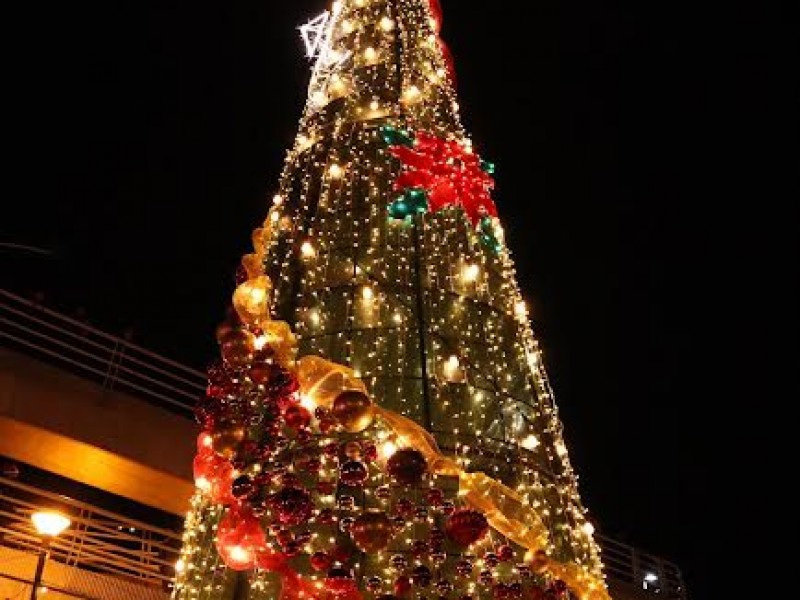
[411, 94]
[367, 293]
[374, 105]
[303, 141]
[471, 272]
[308, 403]
[347, 26]
[521, 310]
[319, 98]
[180, 566]
[587, 528]
[338, 85]
[530, 442]
[452, 370]
[387, 449]
[203, 484]
[561, 449]
[260, 342]
[335, 171]
[239, 554]
[277, 200]
[370, 54]
[387, 24]
[274, 216]
[307, 250]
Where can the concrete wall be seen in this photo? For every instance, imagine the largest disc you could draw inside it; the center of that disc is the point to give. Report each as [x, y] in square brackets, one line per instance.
[71, 426]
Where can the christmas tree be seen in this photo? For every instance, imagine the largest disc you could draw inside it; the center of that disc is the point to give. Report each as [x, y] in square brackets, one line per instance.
[380, 424]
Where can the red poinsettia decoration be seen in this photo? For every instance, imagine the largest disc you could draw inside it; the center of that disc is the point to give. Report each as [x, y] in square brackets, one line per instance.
[449, 173]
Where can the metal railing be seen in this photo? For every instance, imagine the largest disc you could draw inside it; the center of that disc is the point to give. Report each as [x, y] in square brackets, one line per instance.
[639, 570]
[98, 543]
[115, 363]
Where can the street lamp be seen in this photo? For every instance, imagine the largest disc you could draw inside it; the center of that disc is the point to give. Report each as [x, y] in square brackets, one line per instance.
[49, 524]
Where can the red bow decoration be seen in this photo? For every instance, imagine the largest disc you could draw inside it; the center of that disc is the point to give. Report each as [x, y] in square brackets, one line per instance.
[449, 173]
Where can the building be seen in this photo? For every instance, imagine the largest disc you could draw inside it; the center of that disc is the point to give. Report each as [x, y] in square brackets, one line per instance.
[77, 410]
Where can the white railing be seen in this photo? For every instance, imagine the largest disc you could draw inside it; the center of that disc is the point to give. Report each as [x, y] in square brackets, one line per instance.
[113, 362]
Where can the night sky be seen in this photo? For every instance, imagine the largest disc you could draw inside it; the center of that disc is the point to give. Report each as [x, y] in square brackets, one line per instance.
[151, 134]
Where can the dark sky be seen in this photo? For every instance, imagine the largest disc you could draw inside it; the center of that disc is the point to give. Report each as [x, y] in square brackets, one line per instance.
[631, 150]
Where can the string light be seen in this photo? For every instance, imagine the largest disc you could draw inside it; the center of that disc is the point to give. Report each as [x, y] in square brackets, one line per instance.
[307, 250]
[358, 256]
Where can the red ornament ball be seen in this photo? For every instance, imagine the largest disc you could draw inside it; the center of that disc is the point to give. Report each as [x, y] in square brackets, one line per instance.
[505, 553]
[464, 568]
[321, 561]
[353, 473]
[407, 466]
[372, 531]
[296, 417]
[404, 506]
[465, 527]
[292, 506]
[434, 496]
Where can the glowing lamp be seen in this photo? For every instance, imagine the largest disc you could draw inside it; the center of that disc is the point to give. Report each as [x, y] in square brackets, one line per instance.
[50, 523]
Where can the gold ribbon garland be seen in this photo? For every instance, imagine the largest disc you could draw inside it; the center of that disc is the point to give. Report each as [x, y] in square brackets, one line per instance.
[504, 509]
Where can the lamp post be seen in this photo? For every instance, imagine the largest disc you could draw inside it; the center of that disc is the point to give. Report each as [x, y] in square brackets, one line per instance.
[49, 524]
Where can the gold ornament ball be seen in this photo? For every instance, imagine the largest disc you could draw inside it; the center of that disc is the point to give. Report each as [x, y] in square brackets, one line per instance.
[372, 531]
[354, 410]
[227, 439]
[237, 348]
